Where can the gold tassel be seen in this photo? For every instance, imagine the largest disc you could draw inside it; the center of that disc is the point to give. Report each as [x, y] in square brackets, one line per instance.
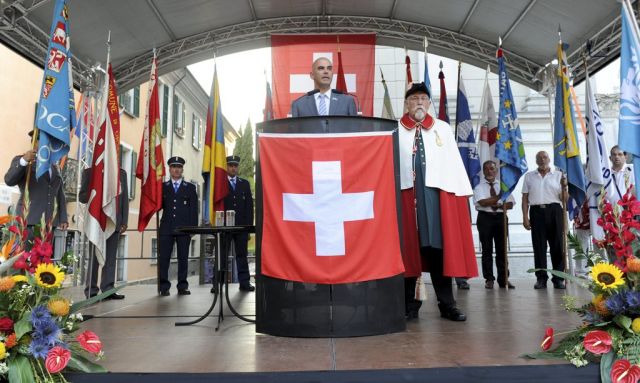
[421, 290]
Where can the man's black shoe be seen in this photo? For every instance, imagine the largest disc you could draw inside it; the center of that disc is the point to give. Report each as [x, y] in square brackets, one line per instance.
[184, 292]
[114, 296]
[463, 286]
[411, 315]
[508, 286]
[248, 288]
[452, 313]
[165, 293]
[540, 285]
[214, 289]
[559, 285]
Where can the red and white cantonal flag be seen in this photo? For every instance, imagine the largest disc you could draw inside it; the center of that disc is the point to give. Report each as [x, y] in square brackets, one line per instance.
[329, 207]
[103, 187]
[488, 131]
[293, 55]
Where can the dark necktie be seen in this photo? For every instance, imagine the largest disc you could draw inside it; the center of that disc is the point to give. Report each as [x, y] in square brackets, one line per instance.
[233, 183]
[176, 185]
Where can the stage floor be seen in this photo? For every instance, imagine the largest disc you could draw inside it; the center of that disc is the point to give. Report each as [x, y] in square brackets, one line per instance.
[139, 333]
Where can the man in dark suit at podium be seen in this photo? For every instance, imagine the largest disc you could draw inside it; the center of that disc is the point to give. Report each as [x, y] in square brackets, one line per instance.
[323, 101]
[179, 208]
[240, 200]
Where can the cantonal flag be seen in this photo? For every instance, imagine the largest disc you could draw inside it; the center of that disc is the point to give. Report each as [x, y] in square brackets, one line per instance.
[214, 161]
[329, 207]
[150, 166]
[293, 55]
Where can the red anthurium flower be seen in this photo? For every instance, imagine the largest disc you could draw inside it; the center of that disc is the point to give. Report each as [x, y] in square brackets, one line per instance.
[90, 342]
[14, 229]
[57, 359]
[597, 342]
[548, 339]
[623, 371]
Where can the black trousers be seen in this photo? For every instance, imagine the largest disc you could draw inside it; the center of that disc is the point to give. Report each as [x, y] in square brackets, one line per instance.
[491, 231]
[108, 276]
[240, 243]
[546, 227]
[441, 284]
[166, 247]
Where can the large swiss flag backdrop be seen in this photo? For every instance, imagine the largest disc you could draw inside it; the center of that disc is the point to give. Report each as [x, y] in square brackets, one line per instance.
[292, 56]
[371, 245]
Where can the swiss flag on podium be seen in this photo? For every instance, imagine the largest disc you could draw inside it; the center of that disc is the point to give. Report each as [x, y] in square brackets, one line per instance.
[329, 207]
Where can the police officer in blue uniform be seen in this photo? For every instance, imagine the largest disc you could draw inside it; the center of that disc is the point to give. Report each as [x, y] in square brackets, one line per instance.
[240, 200]
[179, 208]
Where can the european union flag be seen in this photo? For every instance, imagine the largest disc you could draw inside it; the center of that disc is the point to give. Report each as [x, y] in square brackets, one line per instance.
[629, 133]
[509, 145]
[465, 138]
[56, 109]
[566, 153]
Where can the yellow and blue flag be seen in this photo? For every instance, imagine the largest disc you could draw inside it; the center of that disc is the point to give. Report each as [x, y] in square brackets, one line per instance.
[214, 162]
[509, 145]
[56, 108]
[566, 152]
[629, 133]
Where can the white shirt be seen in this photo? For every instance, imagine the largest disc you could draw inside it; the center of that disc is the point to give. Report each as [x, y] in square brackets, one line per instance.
[622, 178]
[173, 183]
[483, 191]
[327, 100]
[542, 190]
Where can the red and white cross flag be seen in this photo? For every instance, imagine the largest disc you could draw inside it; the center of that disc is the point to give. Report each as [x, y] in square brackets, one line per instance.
[329, 207]
[103, 187]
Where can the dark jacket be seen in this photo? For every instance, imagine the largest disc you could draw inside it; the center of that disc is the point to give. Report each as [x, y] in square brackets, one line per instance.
[44, 193]
[178, 208]
[340, 105]
[241, 201]
[122, 207]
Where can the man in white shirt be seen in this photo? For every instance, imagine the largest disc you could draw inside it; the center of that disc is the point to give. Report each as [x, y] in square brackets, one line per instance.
[622, 177]
[543, 191]
[487, 200]
[323, 101]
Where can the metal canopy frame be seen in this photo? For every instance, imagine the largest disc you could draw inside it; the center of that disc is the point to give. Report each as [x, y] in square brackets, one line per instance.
[24, 35]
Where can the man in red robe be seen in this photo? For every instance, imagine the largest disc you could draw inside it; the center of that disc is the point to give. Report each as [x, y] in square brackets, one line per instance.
[435, 212]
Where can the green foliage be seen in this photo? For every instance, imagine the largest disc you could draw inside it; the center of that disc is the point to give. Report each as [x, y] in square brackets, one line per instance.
[605, 366]
[244, 149]
[22, 326]
[624, 322]
[631, 347]
[20, 370]
[82, 364]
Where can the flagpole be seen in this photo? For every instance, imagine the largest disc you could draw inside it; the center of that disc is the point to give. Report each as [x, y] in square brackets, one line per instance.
[457, 106]
[482, 105]
[563, 180]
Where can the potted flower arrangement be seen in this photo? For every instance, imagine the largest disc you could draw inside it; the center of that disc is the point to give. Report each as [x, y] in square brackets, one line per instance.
[610, 330]
[38, 324]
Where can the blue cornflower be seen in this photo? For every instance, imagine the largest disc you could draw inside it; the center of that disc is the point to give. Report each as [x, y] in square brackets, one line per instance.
[48, 330]
[633, 301]
[39, 348]
[40, 314]
[616, 304]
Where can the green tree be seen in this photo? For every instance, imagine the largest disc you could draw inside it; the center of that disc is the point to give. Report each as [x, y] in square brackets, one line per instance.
[244, 149]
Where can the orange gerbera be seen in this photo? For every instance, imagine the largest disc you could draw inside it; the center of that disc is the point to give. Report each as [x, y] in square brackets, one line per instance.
[633, 265]
[600, 304]
[11, 340]
[6, 284]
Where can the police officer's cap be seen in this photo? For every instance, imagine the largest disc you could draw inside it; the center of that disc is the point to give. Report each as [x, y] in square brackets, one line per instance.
[176, 161]
[415, 88]
[233, 160]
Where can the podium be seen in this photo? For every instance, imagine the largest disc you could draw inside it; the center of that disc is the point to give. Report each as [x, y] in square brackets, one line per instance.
[299, 309]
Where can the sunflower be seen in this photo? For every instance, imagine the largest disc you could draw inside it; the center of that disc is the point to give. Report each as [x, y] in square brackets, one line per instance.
[607, 276]
[48, 275]
[19, 278]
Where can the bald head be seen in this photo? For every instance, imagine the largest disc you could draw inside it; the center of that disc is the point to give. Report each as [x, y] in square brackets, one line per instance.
[322, 74]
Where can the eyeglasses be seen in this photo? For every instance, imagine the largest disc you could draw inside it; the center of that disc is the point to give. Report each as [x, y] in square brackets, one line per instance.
[418, 98]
